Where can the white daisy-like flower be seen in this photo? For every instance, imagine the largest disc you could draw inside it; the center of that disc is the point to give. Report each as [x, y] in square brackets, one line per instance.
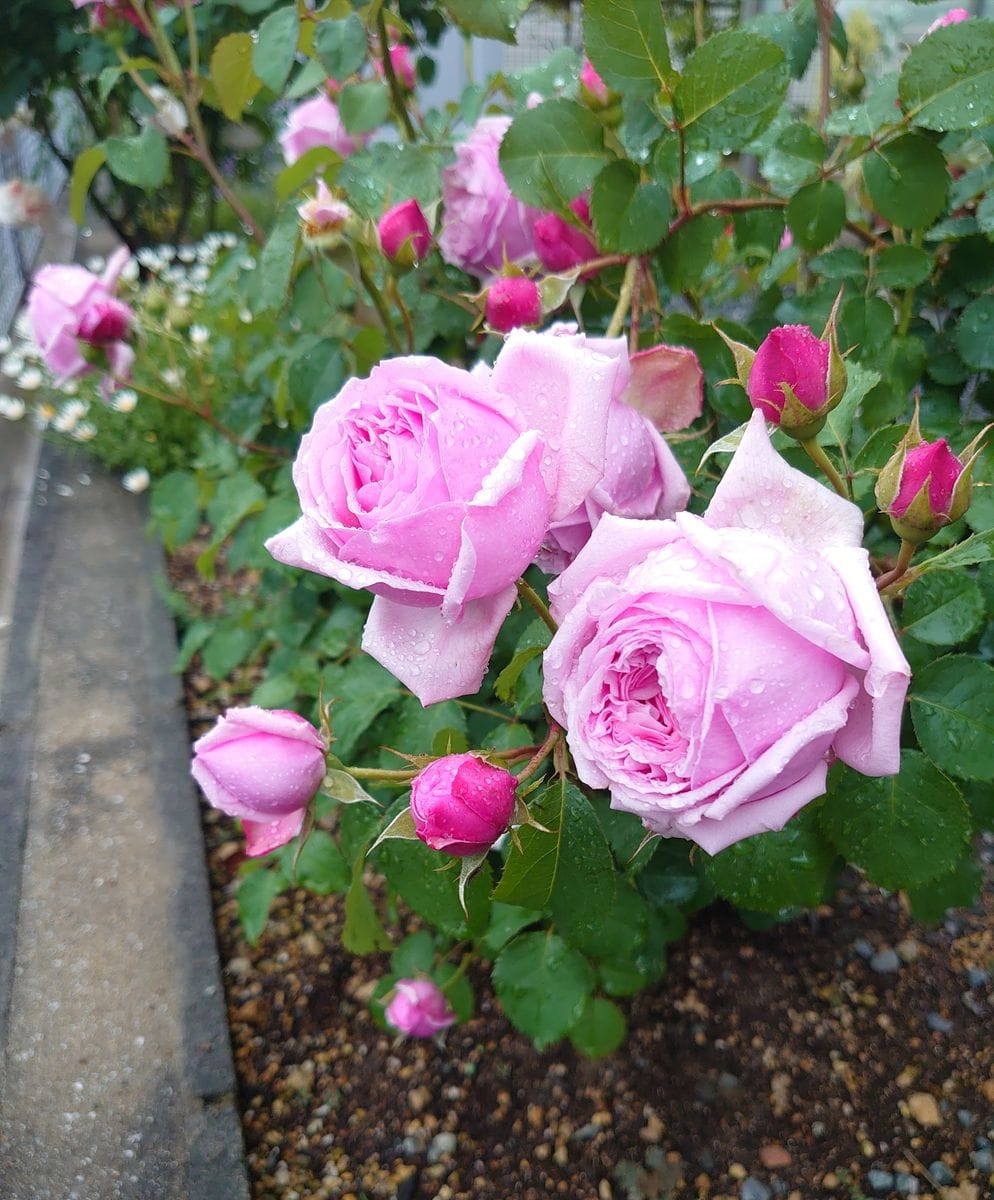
[4, 345]
[69, 416]
[200, 274]
[172, 377]
[136, 481]
[149, 258]
[229, 241]
[70, 388]
[11, 407]
[130, 272]
[96, 263]
[187, 254]
[84, 432]
[124, 401]
[42, 415]
[245, 316]
[167, 253]
[12, 365]
[182, 299]
[200, 335]
[23, 327]
[31, 379]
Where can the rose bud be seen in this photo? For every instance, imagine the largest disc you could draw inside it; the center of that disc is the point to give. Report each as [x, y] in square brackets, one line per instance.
[405, 236]
[925, 486]
[419, 1008]
[953, 17]
[561, 246]
[106, 321]
[797, 379]
[264, 766]
[513, 301]
[461, 804]
[593, 89]
[324, 219]
[403, 66]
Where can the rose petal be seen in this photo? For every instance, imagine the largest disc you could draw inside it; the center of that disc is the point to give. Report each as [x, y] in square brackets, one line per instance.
[758, 483]
[261, 837]
[667, 386]
[437, 659]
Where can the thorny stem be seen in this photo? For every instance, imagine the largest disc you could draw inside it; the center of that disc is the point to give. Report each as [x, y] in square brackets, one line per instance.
[191, 33]
[825, 48]
[206, 415]
[376, 775]
[379, 303]
[527, 592]
[405, 313]
[904, 557]
[459, 972]
[617, 322]
[543, 752]
[396, 91]
[821, 460]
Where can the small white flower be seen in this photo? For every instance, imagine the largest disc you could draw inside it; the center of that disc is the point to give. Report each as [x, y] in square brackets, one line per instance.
[124, 401]
[182, 300]
[129, 272]
[187, 254]
[172, 377]
[229, 241]
[200, 335]
[170, 115]
[12, 365]
[96, 263]
[84, 432]
[23, 327]
[245, 316]
[167, 252]
[31, 379]
[42, 415]
[69, 416]
[11, 407]
[200, 274]
[136, 481]
[175, 274]
[4, 345]
[71, 388]
[149, 258]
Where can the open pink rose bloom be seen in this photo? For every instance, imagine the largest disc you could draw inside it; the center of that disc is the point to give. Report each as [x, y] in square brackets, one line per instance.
[435, 487]
[709, 669]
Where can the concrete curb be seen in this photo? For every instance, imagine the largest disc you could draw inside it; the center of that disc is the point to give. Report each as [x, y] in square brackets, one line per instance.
[142, 959]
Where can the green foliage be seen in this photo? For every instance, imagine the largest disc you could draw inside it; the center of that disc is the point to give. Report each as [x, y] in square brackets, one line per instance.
[626, 42]
[552, 153]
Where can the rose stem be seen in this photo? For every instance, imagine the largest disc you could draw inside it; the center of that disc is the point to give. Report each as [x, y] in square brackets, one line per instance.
[555, 733]
[904, 557]
[526, 592]
[617, 322]
[821, 459]
[396, 92]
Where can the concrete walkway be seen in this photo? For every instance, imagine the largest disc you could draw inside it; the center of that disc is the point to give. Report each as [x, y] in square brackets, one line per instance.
[116, 1079]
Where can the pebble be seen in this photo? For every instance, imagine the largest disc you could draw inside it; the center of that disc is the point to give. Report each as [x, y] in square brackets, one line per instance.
[727, 1082]
[965, 1117]
[909, 950]
[983, 1160]
[885, 962]
[906, 1185]
[976, 977]
[924, 1108]
[941, 1173]
[938, 1023]
[754, 1189]
[879, 1181]
[442, 1144]
[774, 1156]
[863, 948]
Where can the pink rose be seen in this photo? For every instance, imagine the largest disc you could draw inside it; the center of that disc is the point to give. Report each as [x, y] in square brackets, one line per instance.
[592, 87]
[433, 487]
[709, 669]
[513, 301]
[482, 222]
[790, 355]
[953, 17]
[642, 480]
[461, 804]
[69, 305]
[561, 246]
[403, 66]
[405, 236]
[316, 122]
[932, 465]
[264, 766]
[419, 1008]
[324, 218]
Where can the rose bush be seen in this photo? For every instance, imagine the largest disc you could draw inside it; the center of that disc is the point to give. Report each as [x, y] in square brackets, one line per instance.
[709, 668]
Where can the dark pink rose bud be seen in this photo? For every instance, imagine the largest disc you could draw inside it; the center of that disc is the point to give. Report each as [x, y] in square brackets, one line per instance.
[796, 379]
[953, 17]
[593, 89]
[264, 766]
[461, 804]
[925, 486]
[405, 237]
[403, 66]
[513, 301]
[561, 246]
[419, 1008]
[106, 321]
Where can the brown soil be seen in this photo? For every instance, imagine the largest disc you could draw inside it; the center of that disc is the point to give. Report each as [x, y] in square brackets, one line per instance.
[764, 1064]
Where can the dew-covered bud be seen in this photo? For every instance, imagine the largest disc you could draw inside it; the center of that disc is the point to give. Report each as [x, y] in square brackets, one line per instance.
[461, 804]
[405, 236]
[513, 301]
[419, 1008]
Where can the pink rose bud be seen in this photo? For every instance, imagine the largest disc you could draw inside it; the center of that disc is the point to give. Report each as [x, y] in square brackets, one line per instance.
[796, 379]
[405, 237]
[953, 17]
[106, 321]
[925, 486]
[561, 246]
[264, 766]
[593, 89]
[461, 804]
[403, 66]
[512, 302]
[419, 1008]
